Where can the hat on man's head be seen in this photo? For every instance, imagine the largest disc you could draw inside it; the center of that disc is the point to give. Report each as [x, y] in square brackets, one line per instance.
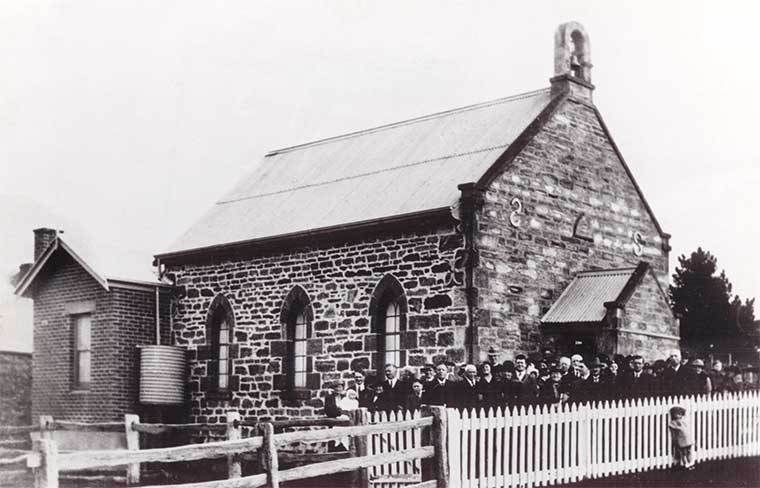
[577, 357]
[594, 363]
[698, 362]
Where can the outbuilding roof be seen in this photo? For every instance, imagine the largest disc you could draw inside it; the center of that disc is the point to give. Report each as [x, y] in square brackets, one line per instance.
[122, 269]
[584, 298]
[394, 170]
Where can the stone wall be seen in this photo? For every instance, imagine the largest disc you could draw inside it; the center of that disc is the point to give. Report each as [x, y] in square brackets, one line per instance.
[579, 211]
[15, 388]
[339, 280]
[650, 321]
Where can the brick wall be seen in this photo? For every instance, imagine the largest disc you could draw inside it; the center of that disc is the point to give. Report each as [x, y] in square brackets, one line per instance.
[15, 388]
[339, 279]
[132, 324]
[568, 169]
[65, 282]
[121, 319]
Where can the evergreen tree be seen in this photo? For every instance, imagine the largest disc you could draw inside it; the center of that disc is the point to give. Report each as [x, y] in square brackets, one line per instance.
[703, 302]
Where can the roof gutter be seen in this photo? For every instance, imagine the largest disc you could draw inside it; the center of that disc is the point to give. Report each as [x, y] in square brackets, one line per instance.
[332, 232]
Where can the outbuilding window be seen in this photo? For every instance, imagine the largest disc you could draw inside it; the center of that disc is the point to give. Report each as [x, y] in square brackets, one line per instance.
[82, 351]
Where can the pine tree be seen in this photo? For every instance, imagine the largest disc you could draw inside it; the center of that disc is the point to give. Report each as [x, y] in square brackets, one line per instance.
[703, 302]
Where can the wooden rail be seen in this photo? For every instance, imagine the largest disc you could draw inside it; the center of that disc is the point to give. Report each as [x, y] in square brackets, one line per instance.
[48, 463]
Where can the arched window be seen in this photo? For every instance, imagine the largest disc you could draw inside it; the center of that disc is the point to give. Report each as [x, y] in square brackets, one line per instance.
[296, 318]
[388, 309]
[219, 329]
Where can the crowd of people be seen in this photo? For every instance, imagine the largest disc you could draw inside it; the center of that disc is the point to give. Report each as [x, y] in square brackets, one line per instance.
[534, 381]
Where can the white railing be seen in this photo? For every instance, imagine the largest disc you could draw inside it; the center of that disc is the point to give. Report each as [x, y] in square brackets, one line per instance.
[538, 446]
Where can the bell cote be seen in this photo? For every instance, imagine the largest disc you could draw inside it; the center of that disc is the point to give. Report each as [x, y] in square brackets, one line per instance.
[572, 61]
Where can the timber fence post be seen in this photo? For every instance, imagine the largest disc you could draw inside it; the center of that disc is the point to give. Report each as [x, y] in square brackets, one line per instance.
[438, 467]
[359, 448]
[133, 444]
[233, 433]
[271, 463]
[46, 474]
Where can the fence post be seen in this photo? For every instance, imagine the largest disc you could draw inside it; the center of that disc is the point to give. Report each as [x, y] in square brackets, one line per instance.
[233, 433]
[271, 463]
[438, 467]
[46, 426]
[360, 476]
[46, 474]
[133, 444]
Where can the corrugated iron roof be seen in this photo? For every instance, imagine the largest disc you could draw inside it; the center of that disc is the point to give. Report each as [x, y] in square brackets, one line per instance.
[388, 171]
[583, 299]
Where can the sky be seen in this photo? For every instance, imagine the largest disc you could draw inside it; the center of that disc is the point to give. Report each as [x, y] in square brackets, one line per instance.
[122, 122]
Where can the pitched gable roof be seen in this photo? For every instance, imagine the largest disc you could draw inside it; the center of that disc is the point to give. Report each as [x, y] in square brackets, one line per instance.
[399, 169]
[584, 300]
[105, 276]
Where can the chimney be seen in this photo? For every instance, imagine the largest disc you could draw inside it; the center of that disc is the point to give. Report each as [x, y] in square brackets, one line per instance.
[43, 237]
[572, 62]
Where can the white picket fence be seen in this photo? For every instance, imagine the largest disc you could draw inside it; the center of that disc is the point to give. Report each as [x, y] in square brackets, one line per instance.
[539, 446]
[401, 473]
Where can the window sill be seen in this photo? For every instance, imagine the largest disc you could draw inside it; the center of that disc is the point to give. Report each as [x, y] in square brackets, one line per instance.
[79, 391]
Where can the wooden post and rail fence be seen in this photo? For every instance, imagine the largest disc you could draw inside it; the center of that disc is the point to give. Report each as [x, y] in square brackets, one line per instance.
[47, 463]
[533, 446]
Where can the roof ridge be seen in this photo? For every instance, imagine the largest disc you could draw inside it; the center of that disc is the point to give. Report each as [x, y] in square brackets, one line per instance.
[414, 120]
[361, 175]
[627, 269]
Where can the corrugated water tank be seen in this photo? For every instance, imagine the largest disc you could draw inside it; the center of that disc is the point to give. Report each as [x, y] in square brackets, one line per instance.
[163, 374]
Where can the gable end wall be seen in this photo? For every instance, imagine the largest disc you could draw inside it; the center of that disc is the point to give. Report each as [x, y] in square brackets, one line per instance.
[569, 168]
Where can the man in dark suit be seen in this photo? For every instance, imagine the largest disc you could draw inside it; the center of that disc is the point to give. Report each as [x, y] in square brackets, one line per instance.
[414, 399]
[596, 387]
[528, 393]
[467, 391]
[396, 388]
[364, 393]
[675, 379]
[636, 383]
[442, 391]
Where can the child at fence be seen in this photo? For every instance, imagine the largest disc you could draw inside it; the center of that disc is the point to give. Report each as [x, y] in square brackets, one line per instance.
[682, 438]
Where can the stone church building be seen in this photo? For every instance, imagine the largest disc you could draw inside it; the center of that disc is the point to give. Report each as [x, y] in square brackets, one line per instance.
[483, 231]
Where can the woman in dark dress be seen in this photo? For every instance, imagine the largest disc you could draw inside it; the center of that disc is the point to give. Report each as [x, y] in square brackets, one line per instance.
[488, 388]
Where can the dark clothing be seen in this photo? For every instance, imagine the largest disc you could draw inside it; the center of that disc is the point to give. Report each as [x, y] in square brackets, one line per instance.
[489, 393]
[594, 389]
[699, 384]
[528, 392]
[674, 382]
[440, 394]
[467, 395]
[510, 392]
[632, 387]
[549, 392]
[413, 402]
[331, 405]
[568, 385]
[398, 392]
[382, 403]
[364, 396]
